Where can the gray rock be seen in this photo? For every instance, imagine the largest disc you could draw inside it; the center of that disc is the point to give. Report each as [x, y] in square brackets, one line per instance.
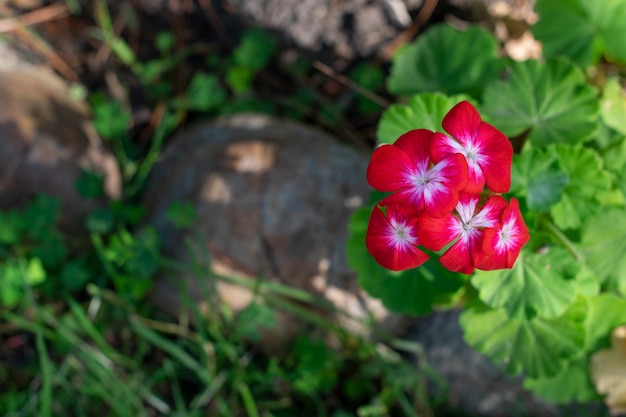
[273, 200]
[46, 145]
[474, 386]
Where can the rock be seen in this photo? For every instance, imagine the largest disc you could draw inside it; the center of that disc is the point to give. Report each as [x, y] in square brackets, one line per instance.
[273, 199]
[474, 386]
[45, 147]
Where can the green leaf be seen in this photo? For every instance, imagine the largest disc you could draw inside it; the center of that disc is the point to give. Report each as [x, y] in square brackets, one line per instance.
[587, 182]
[537, 285]
[613, 105]
[423, 111]
[539, 348]
[34, 273]
[253, 319]
[317, 366]
[182, 214]
[12, 226]
[606, 312]
[447, 60]
[75, 274]
[204, 93]
[537, 175]
[239, 79]
[581, 29]
[603, 243]
[255, 50]
[552, 100]
[11, 284]
[90, 184]
[411, 292]
[571, 385]
[100, 221]
[109, 119]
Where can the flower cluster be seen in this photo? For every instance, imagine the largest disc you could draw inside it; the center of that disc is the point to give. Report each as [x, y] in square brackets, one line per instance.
[444, 191]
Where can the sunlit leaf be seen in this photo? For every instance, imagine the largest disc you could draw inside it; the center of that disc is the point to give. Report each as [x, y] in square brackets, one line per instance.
[447, 60]
[423, 111]
[553, 100]
[539, 284]
[539, 347]
[613, 105]
[571, 385]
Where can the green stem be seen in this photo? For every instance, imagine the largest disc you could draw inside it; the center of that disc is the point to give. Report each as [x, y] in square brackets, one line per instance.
[564, 240]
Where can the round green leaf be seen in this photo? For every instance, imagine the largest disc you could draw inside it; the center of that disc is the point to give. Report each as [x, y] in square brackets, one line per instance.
[606, 312]
[447, 60]
[410, 292]
[582, 29]
[587, 182]
[539, 348]
[537, 285]
[571, 385]
[603, 244]
[537, 175]
[552, 100]
[423, 111]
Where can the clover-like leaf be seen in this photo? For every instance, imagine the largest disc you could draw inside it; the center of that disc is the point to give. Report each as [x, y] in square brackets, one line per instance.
[413, 291]
[540, 348]
[423, 111]
[603, 244]
[587, 182]
[537, 175]
[447, 60]
[552, 100]
[537, 285]
[581, 29]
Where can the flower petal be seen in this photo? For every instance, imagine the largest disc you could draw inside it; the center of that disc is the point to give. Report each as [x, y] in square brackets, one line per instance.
[435, 233]
[388, 168]
[416, 144]
[497, 152]
[504, 243]
[458, 257]
[462, 122]
[446, 179]
[391, 239]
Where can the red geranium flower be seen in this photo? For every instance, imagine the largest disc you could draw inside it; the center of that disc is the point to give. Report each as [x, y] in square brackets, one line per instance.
[392, 239]
[405, 168]
[503, 243]
[488, 152]
[466, 226]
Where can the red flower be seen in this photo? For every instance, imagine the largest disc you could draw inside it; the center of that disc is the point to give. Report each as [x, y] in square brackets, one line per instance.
[503, 243]
[392, 239]
[467, 227]
[488, 152]
[405, 169]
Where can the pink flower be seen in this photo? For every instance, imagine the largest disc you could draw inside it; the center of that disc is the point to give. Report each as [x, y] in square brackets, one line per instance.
[503, 243]
[467, 226]
[405, 168]
[488, 152]
[392, 239]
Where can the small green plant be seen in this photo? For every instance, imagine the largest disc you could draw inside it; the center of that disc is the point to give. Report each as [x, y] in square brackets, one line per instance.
[546, 315]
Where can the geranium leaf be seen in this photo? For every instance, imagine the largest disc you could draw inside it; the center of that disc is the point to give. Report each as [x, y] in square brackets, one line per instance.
[581, 29]
[606, 312]
[537, 175]
[552, 100]
[603, 244]
[615, 161]
[571, 385]
[411, 292]
[539, 347]
[537, 285]
[613, 107]
[587, 182]
[423, 111]
[447, 60]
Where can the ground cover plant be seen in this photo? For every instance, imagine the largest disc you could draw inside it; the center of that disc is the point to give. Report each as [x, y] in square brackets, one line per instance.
[79, 338]
[541, 300]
